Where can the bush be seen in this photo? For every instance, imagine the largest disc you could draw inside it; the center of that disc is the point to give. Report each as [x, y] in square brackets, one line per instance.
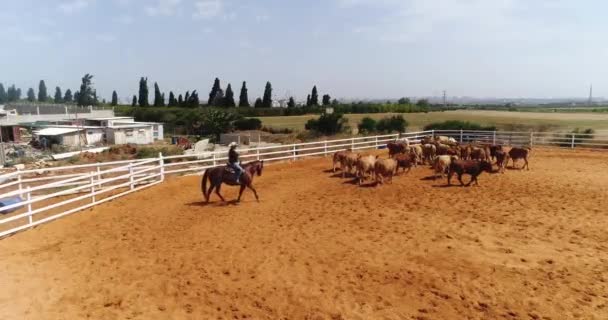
[458, 125]
[367, 125]
[248, 124]
[277, 130]
[327, 124]
[392, 124]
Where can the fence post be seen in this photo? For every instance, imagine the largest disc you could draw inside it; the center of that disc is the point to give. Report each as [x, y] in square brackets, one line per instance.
[131, 175]
[92, 173]
[460, 136]
[29, 205]
[433, 133]
[494, 137]
[294, 152]
[352, 144]
[257, 151]
[161, 163]
[531, 138]
[325, 148]
[98, 177]
[214, 161]
[376, 143]
[573, 135]
[20, 183]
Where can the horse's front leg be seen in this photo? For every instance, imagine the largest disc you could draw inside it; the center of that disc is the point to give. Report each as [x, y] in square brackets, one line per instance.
[217, 191]
[240, 193]
[255, 193]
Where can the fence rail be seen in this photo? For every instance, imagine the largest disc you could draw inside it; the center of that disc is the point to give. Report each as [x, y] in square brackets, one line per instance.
[47, 194]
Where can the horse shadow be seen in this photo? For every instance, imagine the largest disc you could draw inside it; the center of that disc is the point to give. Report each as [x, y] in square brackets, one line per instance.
[212, 204]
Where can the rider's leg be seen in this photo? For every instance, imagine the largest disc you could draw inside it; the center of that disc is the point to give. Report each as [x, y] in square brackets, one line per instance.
[239, 171]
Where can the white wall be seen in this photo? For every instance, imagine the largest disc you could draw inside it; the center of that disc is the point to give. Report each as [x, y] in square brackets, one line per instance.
[94, 136]
[130, 135]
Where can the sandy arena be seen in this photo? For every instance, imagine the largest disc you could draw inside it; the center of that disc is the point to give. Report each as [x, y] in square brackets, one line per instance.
[523, 245]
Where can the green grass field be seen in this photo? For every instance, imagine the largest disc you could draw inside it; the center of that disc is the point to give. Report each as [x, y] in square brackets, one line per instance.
[503, 120]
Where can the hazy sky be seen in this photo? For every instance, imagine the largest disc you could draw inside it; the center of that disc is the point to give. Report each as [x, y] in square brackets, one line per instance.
[348, 48]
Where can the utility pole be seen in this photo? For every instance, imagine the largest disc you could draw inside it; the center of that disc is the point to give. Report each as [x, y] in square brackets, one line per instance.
[445, 103]
[590, 94]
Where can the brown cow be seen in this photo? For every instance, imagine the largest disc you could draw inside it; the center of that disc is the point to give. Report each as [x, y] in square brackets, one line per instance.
[348, 163]
[478, 153]
[385, 168]
[471, 167]
[442, 149]
[405, 161]
[520, 153]
[365, 165]
[501, 159]
[396, 148]
[339, 157]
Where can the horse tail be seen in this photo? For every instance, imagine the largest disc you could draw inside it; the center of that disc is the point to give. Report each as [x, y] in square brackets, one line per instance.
[204, 185]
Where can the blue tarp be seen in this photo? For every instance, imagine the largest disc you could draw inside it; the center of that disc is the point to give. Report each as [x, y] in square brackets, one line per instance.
[9, 201]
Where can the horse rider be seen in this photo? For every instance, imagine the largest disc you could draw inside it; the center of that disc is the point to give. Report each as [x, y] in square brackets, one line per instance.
[233, 161]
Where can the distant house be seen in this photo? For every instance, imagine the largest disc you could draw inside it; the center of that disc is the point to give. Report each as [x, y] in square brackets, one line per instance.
[69, 135]
[134, 133]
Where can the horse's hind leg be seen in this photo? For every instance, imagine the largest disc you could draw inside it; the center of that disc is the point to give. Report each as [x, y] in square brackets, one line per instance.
[217, 191]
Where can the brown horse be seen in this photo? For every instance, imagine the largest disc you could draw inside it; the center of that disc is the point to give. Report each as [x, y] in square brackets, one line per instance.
[223, 174]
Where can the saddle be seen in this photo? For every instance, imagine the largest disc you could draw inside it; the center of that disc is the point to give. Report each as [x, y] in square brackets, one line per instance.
[229, 175]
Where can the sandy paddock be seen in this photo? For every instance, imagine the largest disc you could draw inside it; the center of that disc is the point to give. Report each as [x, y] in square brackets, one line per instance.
[523, 245]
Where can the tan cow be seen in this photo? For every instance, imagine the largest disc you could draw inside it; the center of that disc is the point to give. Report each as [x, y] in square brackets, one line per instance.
[365, 166]
[385, 168]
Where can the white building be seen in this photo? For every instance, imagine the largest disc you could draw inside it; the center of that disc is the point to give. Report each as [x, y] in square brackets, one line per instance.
[70, 136]
[134, 133]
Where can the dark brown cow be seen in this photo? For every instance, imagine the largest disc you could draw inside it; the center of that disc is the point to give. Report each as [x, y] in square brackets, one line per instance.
[396, 148]
[493, 149]
[471, 167]
[501, 159]
[405, 161]
[520, 153]
[478, 153]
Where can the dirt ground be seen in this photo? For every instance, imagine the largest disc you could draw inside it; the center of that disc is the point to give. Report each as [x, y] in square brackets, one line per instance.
[523, 245]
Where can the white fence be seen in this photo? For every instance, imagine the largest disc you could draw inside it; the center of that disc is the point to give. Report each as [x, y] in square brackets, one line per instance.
[48, 194]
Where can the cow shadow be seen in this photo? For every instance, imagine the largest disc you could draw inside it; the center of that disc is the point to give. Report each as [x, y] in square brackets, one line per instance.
[430, 178]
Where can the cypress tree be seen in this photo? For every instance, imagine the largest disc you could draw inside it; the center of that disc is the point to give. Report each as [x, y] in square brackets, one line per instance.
[162, 99]
[58, 96]
[186, 97]
[308, 101]
[31, 96]
[214, 91]
[172, 102]
[134, 102]
[258, 103]
[42, 94]
[218, 100]
[243, 98]
[291, 103]
[158, 102]
[67, 98]
[76, 96]
[267, 98]
[95, 100]
[114, 98]
[229, 98]
[18, 94]
[326, 100]
[180, 100]
[314, 97]
[143, 92]
[3, 94]
[193, 101]
[87, 96]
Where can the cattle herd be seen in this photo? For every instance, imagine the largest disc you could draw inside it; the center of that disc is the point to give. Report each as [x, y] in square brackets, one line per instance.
[444, 154]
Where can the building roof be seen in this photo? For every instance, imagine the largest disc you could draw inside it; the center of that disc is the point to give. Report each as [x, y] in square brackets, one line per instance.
[109, 118]
[131, 126]
[55, 131]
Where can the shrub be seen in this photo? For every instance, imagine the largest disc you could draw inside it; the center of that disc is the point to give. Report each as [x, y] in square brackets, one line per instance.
[457, 125]
[248, 124]
[327, 124]
[392, 124]
[277, 130]
[367, 125]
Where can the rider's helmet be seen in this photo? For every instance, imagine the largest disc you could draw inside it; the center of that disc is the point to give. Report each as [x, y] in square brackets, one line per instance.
[232, 145]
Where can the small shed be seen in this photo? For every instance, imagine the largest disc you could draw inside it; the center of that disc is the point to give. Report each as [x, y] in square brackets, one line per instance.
[70, 137]
[135, 134]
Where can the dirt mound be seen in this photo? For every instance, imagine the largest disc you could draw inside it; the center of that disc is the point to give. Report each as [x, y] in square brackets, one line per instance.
[523, 245]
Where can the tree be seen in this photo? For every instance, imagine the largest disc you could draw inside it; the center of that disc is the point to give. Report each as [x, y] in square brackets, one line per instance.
[42, 94]
[258, 103]
[158, 100]
[134, 102]
[218, 99]
[214, 91]
[308, 101]
[326, 100]
[392, 124]
[172, 101]
[367, 125]
[180, 100]
[67, 98]
[3, 94]
[404, 101]
[95, 100]
[216, 122]
[243, 98]
[229, 98]
[162, 98]
[291, 103]
[423, 103]
[114, 98]
[31, 96]
[267, 98]
[186, 97]
[193, 100]
[76, 96]
[143, 92]
[314, 97]
[335, 102]
[58, 96]
[87, 96]
[328, 124]
[248, 124]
